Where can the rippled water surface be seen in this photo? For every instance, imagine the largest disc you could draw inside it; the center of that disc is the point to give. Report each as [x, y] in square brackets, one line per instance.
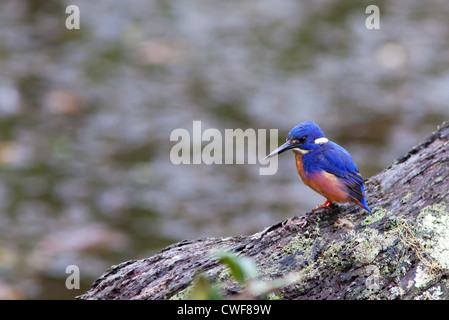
[86, 117]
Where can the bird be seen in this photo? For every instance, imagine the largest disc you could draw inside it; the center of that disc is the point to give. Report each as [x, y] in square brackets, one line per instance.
[324, 166]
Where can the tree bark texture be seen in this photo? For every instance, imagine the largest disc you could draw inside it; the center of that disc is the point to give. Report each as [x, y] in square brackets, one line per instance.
[400, 251]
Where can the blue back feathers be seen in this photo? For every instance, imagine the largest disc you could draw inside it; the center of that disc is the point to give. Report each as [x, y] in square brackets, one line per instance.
[334, 159]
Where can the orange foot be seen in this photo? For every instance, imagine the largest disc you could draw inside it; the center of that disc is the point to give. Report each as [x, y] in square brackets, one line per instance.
[327, 204]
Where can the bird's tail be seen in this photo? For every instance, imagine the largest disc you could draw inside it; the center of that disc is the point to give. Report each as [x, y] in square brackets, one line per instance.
[364, 205]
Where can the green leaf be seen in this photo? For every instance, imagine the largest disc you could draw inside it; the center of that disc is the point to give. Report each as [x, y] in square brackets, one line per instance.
[241, 268]
[204, 290]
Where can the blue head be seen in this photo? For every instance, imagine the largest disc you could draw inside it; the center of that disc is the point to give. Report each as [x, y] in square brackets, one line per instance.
[304, 137]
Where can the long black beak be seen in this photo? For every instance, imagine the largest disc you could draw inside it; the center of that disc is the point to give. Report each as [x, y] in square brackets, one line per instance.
[286, 146]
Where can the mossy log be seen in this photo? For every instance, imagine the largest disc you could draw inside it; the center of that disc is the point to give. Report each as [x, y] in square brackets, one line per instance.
[400, 251]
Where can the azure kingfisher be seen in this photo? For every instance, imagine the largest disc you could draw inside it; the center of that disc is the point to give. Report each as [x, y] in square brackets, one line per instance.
[324, 166]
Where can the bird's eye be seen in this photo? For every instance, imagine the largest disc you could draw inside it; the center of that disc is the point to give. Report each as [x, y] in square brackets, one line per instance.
[303, 138]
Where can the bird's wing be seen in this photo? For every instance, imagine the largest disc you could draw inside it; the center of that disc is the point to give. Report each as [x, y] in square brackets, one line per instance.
[335, 160]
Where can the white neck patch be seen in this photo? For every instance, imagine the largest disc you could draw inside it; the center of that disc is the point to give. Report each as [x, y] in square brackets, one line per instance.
[303, 151]
[321, 140]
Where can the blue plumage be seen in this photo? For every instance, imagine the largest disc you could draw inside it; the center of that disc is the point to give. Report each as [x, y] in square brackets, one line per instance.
[325, 166]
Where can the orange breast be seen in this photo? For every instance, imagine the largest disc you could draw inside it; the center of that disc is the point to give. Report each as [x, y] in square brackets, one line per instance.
[299, 166]
[326, 184]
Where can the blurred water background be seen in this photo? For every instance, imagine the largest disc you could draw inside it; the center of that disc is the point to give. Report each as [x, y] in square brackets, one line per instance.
[86, 116]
